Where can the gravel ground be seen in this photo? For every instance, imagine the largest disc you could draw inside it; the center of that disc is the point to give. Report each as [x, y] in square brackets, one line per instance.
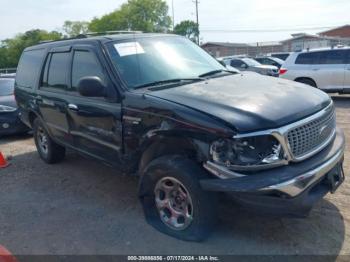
[83, 207]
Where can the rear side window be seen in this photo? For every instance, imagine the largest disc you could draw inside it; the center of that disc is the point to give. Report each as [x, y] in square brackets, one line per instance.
[29, 68]
[85, 64]
[236, 63]
[56, 69]
[333, 57]
[347, 56]
[308, 58]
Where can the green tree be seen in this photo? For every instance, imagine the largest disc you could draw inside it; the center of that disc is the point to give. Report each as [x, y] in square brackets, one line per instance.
[137, 15]
[13, 48]
[74, 28]
[187, 28]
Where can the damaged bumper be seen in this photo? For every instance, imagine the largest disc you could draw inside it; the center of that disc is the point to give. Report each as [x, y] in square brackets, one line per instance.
[292, 189]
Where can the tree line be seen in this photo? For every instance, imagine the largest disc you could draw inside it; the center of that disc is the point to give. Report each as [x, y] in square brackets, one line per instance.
[135, 15]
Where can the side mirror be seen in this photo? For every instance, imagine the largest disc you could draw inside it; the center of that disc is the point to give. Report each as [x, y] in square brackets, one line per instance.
[244, 66]
[91, 86]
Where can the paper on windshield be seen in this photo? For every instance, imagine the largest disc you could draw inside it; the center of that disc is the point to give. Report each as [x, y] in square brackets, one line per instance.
[129, 48]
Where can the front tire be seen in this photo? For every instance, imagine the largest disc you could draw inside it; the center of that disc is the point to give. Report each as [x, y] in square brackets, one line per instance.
[307, 81]
[173, 201]
[48, 150]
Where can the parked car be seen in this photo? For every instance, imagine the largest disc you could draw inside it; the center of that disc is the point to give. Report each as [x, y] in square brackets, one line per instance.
[160, 107]
[249, 64]
[326, 69]
[9, 113]
[282, 55]
[269, 60]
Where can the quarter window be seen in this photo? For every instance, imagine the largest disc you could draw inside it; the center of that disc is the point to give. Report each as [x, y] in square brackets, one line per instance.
[85, 64]
[332, 57]
[347, 56]
[29, 68]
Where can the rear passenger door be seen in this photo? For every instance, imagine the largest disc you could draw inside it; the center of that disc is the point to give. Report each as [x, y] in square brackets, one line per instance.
[330, 70]
[347, 72]
[52, 93]
[95, 123]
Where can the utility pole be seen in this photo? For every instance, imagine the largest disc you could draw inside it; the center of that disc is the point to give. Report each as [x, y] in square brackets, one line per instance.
[172, 8]
[196, 2]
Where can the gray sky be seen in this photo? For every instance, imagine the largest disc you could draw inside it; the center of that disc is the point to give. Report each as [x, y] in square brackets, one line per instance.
[229, 15]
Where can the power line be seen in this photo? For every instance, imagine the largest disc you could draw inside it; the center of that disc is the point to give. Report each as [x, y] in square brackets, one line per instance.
[267, 30]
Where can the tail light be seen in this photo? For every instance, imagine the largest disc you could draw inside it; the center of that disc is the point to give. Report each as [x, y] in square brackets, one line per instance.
[283, 71]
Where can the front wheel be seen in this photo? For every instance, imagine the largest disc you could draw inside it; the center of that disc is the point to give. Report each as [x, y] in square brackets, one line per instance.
[307, 81]
[173, 200]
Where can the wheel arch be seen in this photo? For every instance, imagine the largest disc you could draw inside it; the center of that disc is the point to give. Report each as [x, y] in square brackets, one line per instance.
[300, 79]
[31, 117]
[193, 149]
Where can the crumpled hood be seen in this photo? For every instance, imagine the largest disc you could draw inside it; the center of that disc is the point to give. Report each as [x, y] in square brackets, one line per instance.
[249, 102]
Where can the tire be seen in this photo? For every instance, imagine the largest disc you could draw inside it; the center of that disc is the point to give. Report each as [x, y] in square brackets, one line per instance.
[198, 205]
[48, 150]
[307, 81]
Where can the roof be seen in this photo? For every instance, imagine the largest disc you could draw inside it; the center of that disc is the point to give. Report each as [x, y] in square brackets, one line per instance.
[227, 44]
[324, 49]
[333, 29]
[300, 36]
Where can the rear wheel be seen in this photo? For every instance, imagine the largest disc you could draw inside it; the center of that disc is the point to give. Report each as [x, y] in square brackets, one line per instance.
[48, 150]
[173, 200]
[307, 81]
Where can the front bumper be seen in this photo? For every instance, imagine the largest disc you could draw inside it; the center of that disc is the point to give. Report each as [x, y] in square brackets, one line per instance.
[291, 189]
[10, 123]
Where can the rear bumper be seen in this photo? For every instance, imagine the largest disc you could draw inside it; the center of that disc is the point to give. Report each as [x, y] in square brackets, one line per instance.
[291, 189]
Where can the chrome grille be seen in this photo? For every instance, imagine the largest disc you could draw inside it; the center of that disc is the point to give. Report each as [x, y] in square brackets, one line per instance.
[312, 135]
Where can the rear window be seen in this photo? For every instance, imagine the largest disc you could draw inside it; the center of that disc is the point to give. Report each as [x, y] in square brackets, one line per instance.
[6, 87]
[308, 58]
[56, 69]
[29, 67]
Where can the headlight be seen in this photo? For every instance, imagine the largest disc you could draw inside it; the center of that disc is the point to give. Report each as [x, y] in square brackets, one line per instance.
[7, 109]
[250, 153]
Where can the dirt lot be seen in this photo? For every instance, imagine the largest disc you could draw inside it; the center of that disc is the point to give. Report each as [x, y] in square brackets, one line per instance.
[83, 207]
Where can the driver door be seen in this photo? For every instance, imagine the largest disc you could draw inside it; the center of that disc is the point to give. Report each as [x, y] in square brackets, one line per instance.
[95, 123]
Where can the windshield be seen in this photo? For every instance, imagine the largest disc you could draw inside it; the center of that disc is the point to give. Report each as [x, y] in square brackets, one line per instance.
[6, 87]
[251, 62]
[146, 60]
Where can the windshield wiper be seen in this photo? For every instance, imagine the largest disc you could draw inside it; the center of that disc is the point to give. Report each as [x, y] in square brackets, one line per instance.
[215, 72]
[169, 81]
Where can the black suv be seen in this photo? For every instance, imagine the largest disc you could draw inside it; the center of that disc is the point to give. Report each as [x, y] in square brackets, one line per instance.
[160, 107]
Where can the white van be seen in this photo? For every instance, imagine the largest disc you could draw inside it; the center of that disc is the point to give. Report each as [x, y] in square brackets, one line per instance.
[327, 69]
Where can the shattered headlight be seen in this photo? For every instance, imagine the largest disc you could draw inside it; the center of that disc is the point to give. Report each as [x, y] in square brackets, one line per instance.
[245, 154]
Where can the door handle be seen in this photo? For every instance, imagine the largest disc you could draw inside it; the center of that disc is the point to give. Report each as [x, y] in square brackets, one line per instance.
[73, 107]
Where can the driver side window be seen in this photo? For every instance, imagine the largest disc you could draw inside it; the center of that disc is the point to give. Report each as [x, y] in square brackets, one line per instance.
[85, 64]
[237, 63]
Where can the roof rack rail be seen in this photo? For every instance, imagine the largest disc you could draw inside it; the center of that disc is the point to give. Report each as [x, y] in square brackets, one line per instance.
[112, 33]
[92, 34]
